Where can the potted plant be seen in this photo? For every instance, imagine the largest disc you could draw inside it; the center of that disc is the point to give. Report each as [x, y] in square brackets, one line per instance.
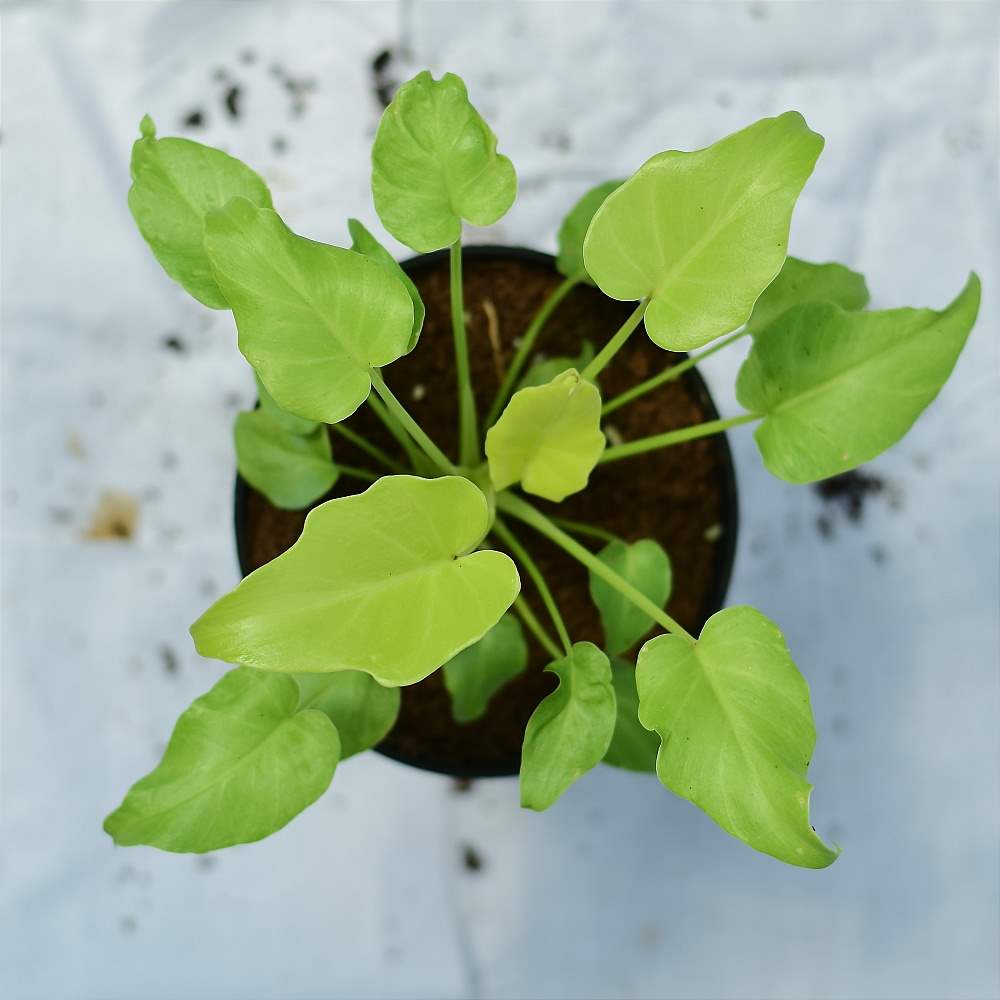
[557, 509]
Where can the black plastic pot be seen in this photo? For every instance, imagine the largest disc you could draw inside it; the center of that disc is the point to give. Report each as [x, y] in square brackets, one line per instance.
[724, 552]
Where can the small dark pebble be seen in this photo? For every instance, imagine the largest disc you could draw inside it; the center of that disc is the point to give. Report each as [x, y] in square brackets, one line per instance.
[472, 859]
[194, 119]
[850, 490]
[381, 60]
[206, 862]
[232, 100]
[824, 526]
[174, 343]
[279, 144]
[168, 659]
[384, 83]
[248, 57]
[219, 74]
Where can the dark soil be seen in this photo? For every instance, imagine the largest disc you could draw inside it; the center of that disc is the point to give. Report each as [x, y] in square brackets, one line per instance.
[680, 496]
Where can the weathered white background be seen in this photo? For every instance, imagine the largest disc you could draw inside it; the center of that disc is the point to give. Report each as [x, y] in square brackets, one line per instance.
[621, 890]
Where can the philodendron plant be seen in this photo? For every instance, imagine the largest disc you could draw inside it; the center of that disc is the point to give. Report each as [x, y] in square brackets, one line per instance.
[388, 585]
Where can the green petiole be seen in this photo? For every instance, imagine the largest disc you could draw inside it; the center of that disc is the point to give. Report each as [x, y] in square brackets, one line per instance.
[669, 438]
[468, 434]
[524, 511]
[522, 608]
[588, 530]
[358, 473]
[393, 427]
[366, 446]
[612, 347]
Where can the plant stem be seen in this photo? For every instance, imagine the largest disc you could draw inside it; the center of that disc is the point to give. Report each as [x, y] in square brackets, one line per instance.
[524, 348]
[612, 347]
[522, 607]
[393, 427]
[396, 408]
[668, 374]
[579, 528]
[522, 556]
[356, 473]
[366, 446]
[523, 511]
[669, 438]
[468, 434]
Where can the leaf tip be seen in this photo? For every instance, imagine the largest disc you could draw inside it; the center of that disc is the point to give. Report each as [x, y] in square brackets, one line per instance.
[147, 129]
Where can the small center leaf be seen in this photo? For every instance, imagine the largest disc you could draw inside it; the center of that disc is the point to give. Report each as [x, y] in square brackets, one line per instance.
[569, 260]
[632, 747]
[384, 582]
[733, 714]
[548, 438]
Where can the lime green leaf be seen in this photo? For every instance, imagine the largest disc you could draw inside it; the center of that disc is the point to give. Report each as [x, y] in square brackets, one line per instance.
[633, 747]
[477, 673]
[312, 319]
[543, 372]
[548, 438]
[569, 260]
[290, 469]
[702, 234]
[571, 729]
[737, 731]
[240, 764]
[435, 163]
[646, 566]
[799, 281]
[838, 388]
[289, 421]
[379, 582]
[363, 242]
[362, 709]
[175, 182]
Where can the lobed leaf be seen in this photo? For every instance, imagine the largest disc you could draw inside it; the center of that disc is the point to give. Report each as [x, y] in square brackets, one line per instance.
[312, 319]
[570, 730]
[569, 258]
[632, 746]
[385, 582]
[241, 763]
[800, 281]
[362, 709]
[545, 371]
[732, 712]
[702, 234]
[175, 183]
[548, 438]
[363, 242]
[646, 566]
[290, 469]
[838, 388]
[477, 673]
[435, 163]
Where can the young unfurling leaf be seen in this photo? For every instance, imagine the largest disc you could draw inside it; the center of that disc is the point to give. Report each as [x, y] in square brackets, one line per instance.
[175, 183]
[312, 319]
[800, 281]
[702, 234]
[290, 469]
[548, 438]
[477, 673]
[386, 582]
[838, 388]
[435, 163]
[571, 729]
[646, 566]
[737, 731]
[543, 372]
[242, 762]
[569, 260]
[633, 747]
[362, 709]
[363, 242]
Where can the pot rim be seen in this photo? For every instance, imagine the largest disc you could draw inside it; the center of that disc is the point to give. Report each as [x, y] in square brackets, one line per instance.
[726, 546]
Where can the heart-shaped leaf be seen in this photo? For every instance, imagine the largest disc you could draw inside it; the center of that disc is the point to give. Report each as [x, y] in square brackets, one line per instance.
[548, 438]
[702, 234]
[543, 372]
[241, 763]
[312, 319]
[646, 566]
[571, 729]
[175, 183]
[477, 673]
[569, 260]
[838, 388]
[385, 582]
[362, 709]
[633, 747]
[290, 469]
[799, 281]
[363, 242]
[732, 712]
[435, 163]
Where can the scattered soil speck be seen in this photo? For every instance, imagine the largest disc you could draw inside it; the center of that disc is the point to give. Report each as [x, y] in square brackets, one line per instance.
[96, 398]
[171, 342]
[206, 862]
[193, 119]
[878, 554]
[233, 400]
[168, 660]
[74, 445]
[232, 99]
[207, 587]
[472, 859]
[220, 75]
[462, 786]
[279, 144]
[128, 924]
[850, 492]
[384, 83]
[60, 515]
[840, 725]
[649, 936]
[114, 519]
[248, 57]
[168, 460]
[557, 139]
